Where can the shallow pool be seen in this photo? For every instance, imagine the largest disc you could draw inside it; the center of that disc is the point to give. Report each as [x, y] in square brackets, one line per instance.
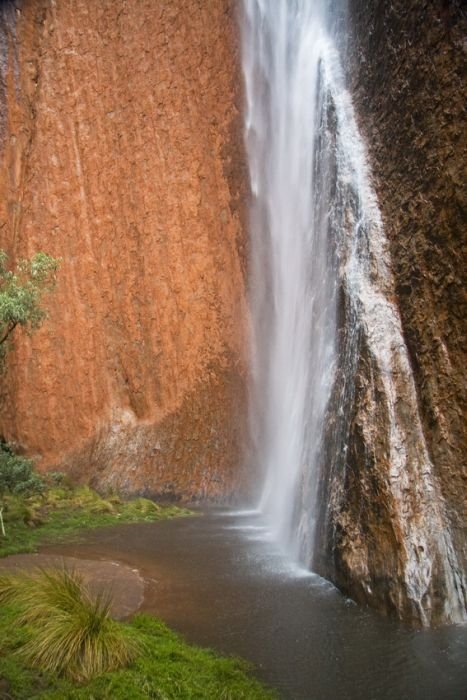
[219, 580]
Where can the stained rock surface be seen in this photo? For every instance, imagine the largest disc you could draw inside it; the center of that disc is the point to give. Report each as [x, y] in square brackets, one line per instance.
[395, 533]
[118, 126]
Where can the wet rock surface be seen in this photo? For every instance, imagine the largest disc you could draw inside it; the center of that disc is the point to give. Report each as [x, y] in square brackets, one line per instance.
[406, 79]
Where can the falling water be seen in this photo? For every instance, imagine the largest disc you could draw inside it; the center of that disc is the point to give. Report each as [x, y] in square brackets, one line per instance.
[318, 245]
[294, 277]
[292, 77]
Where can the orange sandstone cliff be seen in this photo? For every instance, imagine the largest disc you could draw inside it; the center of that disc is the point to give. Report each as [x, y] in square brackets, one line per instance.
[120, 153]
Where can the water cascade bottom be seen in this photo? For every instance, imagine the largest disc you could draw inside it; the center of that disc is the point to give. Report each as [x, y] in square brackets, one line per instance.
[220, 580]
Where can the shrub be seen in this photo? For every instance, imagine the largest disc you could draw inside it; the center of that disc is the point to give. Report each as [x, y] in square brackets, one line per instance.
[58, 479]
[72, 633]
[17, 475]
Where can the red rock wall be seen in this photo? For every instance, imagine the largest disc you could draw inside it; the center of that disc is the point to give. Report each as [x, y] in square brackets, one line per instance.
[121, 155]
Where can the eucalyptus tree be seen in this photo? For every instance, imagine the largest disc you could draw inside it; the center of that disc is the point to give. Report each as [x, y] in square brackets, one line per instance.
[22, 291]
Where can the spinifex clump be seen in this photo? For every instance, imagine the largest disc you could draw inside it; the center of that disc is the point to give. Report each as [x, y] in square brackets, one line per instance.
[71, 632]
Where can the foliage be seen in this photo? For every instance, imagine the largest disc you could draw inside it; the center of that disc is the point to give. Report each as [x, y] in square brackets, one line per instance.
[17, 475]
[71, 633]
[21, 293]
[166, 669]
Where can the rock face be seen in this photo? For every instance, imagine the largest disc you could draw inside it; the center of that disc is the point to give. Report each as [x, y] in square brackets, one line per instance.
[121, 152]
[119, 123]
[395, 531]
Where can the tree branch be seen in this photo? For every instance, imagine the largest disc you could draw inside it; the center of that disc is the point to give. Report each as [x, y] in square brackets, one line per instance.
[9, 330]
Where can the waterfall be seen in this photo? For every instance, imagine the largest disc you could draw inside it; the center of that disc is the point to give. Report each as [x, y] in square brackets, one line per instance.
[299, 217]
[319, 259]
[294, 280]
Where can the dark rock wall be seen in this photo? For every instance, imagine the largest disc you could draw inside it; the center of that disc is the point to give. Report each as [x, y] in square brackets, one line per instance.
[406, 70]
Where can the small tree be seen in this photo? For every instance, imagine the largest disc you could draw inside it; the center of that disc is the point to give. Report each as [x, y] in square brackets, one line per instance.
[21, 304]
[21, 294]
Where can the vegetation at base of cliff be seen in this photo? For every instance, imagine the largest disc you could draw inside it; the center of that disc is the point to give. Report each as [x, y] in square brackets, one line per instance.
[38, 510]
[60, 514]
[160, 664]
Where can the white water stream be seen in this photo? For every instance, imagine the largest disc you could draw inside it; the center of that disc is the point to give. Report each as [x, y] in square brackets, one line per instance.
[294, 277]
[316, 233]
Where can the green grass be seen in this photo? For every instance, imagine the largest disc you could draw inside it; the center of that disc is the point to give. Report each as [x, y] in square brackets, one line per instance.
[166, 669]
[60, 514]
[71, 633]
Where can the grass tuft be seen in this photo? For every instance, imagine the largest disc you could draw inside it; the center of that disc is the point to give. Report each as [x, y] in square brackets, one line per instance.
[166, 669]
[9, 584]
[72, 633]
